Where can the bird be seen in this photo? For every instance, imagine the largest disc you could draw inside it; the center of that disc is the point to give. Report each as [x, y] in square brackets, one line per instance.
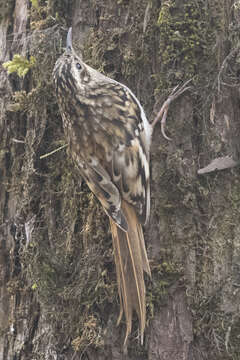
[109, 140]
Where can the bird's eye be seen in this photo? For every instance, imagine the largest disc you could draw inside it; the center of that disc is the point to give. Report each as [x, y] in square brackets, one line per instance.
[78, 66]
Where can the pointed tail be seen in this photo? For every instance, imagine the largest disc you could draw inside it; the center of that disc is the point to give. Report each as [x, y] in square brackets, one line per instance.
[131, 260]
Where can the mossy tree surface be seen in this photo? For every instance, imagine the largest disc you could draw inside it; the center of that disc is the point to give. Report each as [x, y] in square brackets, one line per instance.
[58, 283]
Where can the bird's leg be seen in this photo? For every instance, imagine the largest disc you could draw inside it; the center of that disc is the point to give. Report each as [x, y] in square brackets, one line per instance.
[162, 114]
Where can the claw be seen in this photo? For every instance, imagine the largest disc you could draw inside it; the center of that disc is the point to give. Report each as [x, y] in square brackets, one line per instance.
[162, 114]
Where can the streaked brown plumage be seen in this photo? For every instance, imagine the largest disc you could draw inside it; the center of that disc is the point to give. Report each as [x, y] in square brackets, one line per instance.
[109, 139]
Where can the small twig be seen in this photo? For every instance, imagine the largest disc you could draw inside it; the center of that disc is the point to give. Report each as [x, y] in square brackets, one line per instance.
[18, 141]
[54, 151]
[227, 337]
[162, 114]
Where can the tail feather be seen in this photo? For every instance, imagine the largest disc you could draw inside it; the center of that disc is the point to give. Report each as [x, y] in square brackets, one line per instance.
[131, 260]
[145, 262]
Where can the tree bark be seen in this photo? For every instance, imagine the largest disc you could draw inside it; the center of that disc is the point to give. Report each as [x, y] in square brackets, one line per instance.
[58, 292]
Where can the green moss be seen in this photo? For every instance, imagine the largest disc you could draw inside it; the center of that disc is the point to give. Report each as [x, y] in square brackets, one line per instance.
[20, 65]
[217, 327]
[35, 4]
[185, 39]
[46, 13]
[129, 56]
[67, 262]
[164, 275]
[90, 335]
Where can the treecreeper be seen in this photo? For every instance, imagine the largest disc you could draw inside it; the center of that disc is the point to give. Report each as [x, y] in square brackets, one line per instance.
[109, 140]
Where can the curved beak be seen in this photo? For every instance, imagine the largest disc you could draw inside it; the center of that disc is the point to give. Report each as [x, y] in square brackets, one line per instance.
[69, 40]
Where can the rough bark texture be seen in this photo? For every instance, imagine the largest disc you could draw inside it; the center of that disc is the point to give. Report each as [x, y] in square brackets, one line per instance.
[58, 293]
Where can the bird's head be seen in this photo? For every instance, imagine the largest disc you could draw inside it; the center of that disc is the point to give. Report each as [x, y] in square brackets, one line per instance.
[70, 72]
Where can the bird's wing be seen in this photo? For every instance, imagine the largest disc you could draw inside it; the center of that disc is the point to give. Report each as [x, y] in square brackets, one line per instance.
[130, 171]
[104, 189]
[121, 148]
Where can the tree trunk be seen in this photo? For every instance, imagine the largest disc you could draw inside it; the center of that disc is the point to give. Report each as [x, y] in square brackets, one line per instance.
[58, 287]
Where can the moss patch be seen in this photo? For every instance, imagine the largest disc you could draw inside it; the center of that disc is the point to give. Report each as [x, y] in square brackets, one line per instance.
[186, 38]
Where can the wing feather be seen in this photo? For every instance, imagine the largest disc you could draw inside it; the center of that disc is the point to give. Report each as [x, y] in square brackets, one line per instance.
[120, 147]
[128, 163]
[101, 185]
